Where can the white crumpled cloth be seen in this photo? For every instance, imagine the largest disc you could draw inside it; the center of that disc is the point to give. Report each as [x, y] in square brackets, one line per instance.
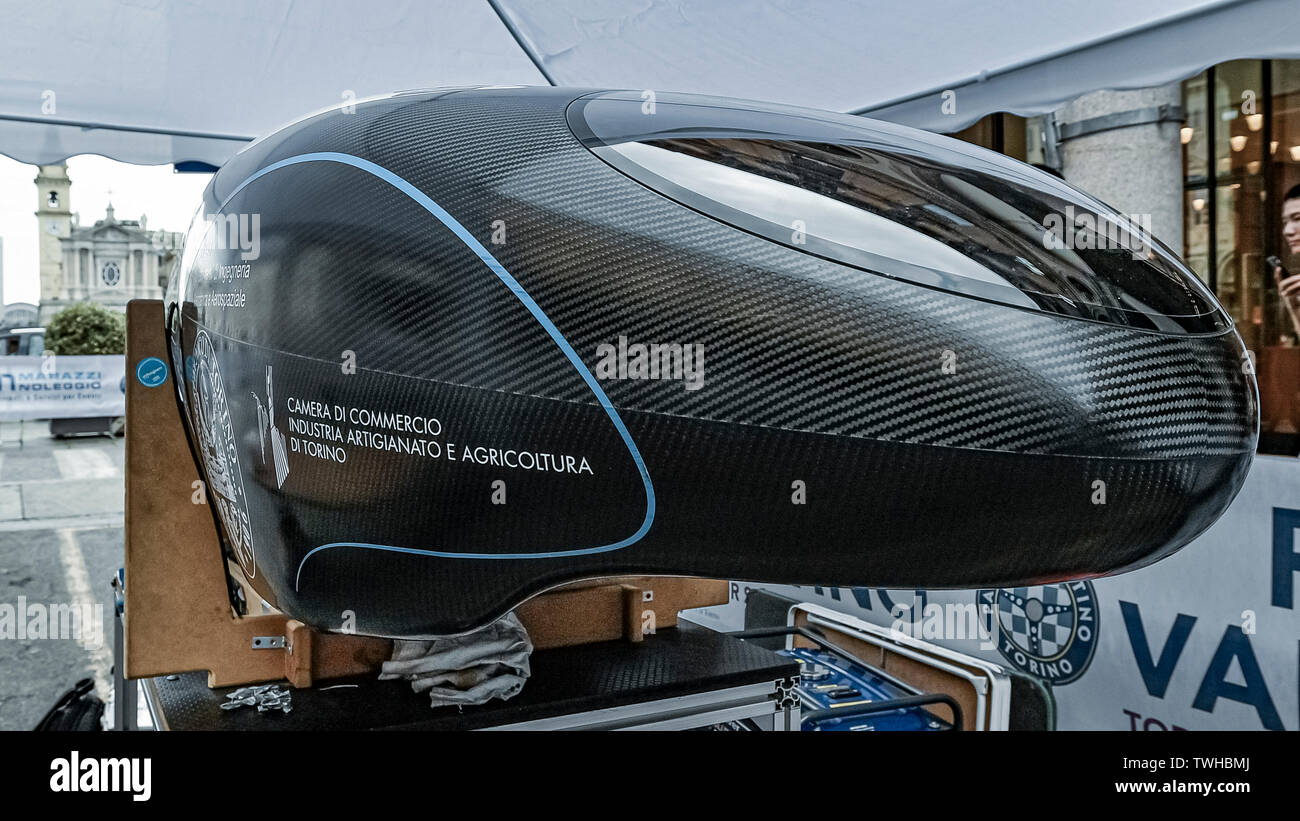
[473, 668]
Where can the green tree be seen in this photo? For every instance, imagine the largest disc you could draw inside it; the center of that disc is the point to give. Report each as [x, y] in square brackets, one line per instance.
[86, 329]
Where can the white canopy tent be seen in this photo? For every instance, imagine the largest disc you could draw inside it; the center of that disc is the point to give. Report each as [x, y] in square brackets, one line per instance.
[165, 82]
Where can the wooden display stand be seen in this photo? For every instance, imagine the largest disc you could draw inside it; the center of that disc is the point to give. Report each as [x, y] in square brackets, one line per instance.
[177, 612]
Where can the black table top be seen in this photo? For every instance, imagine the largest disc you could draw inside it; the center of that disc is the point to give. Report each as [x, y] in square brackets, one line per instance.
[566, 680]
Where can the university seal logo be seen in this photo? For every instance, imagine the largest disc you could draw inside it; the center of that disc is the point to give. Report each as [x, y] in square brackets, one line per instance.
[217, 447]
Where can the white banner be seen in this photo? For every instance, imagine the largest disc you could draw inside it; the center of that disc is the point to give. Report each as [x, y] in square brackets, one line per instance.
[59, 387]
[1208, 638]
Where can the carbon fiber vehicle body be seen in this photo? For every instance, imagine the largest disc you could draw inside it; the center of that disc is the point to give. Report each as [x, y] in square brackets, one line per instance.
[417, 396]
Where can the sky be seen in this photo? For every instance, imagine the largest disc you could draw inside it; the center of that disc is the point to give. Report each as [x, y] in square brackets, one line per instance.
[169, 199]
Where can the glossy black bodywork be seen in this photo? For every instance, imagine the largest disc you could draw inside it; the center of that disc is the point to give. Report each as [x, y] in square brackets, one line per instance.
[462, 256]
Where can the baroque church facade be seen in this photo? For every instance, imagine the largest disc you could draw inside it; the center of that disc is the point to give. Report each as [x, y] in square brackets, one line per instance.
[110, 262]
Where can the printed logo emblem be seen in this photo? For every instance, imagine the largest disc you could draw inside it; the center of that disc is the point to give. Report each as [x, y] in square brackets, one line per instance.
[215, 432]
[151, 372]
[266, 423]
[1046, 630]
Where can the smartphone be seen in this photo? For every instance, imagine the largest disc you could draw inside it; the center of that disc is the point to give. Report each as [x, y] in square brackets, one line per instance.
[1273, 264]
[1291, 303]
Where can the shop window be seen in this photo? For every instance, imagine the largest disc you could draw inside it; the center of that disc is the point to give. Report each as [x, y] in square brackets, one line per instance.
[1241, 151]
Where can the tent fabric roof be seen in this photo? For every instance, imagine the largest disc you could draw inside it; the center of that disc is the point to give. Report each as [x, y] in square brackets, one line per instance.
[157, 83]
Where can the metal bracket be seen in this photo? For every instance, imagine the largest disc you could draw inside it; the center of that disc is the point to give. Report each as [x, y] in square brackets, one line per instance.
[124, 689]
[1165, 113]
[1051, 142]
[268, 642]
[787, 693]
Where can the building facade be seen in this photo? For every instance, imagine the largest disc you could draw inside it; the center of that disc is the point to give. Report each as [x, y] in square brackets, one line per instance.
[109, 263]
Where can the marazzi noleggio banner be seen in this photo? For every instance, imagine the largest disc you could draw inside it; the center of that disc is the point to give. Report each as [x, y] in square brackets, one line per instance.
[60, 387]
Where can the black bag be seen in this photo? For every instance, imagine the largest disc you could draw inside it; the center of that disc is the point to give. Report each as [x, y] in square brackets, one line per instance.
[78, 709]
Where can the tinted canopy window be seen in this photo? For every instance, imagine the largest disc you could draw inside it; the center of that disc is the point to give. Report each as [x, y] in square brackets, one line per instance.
[899, 203]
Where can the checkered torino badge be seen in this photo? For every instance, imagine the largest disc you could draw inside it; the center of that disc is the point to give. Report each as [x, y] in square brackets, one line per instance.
[1039, 619]
[1047, 630]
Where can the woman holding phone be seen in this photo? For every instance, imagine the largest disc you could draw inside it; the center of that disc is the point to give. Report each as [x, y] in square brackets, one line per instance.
[1288, 285]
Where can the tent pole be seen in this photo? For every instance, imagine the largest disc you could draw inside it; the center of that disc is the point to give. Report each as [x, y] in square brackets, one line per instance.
[519, 39]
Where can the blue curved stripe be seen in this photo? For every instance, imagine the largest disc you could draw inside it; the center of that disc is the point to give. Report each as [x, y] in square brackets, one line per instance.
[528, 302]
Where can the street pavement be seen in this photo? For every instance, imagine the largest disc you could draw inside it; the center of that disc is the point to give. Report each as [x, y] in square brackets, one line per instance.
[61, 504]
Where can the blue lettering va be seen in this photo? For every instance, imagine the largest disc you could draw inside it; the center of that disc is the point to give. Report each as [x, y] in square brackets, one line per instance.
[1155, 674]
[1236, 644]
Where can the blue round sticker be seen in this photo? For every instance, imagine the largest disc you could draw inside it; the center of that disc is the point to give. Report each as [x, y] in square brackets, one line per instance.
[151, 372]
